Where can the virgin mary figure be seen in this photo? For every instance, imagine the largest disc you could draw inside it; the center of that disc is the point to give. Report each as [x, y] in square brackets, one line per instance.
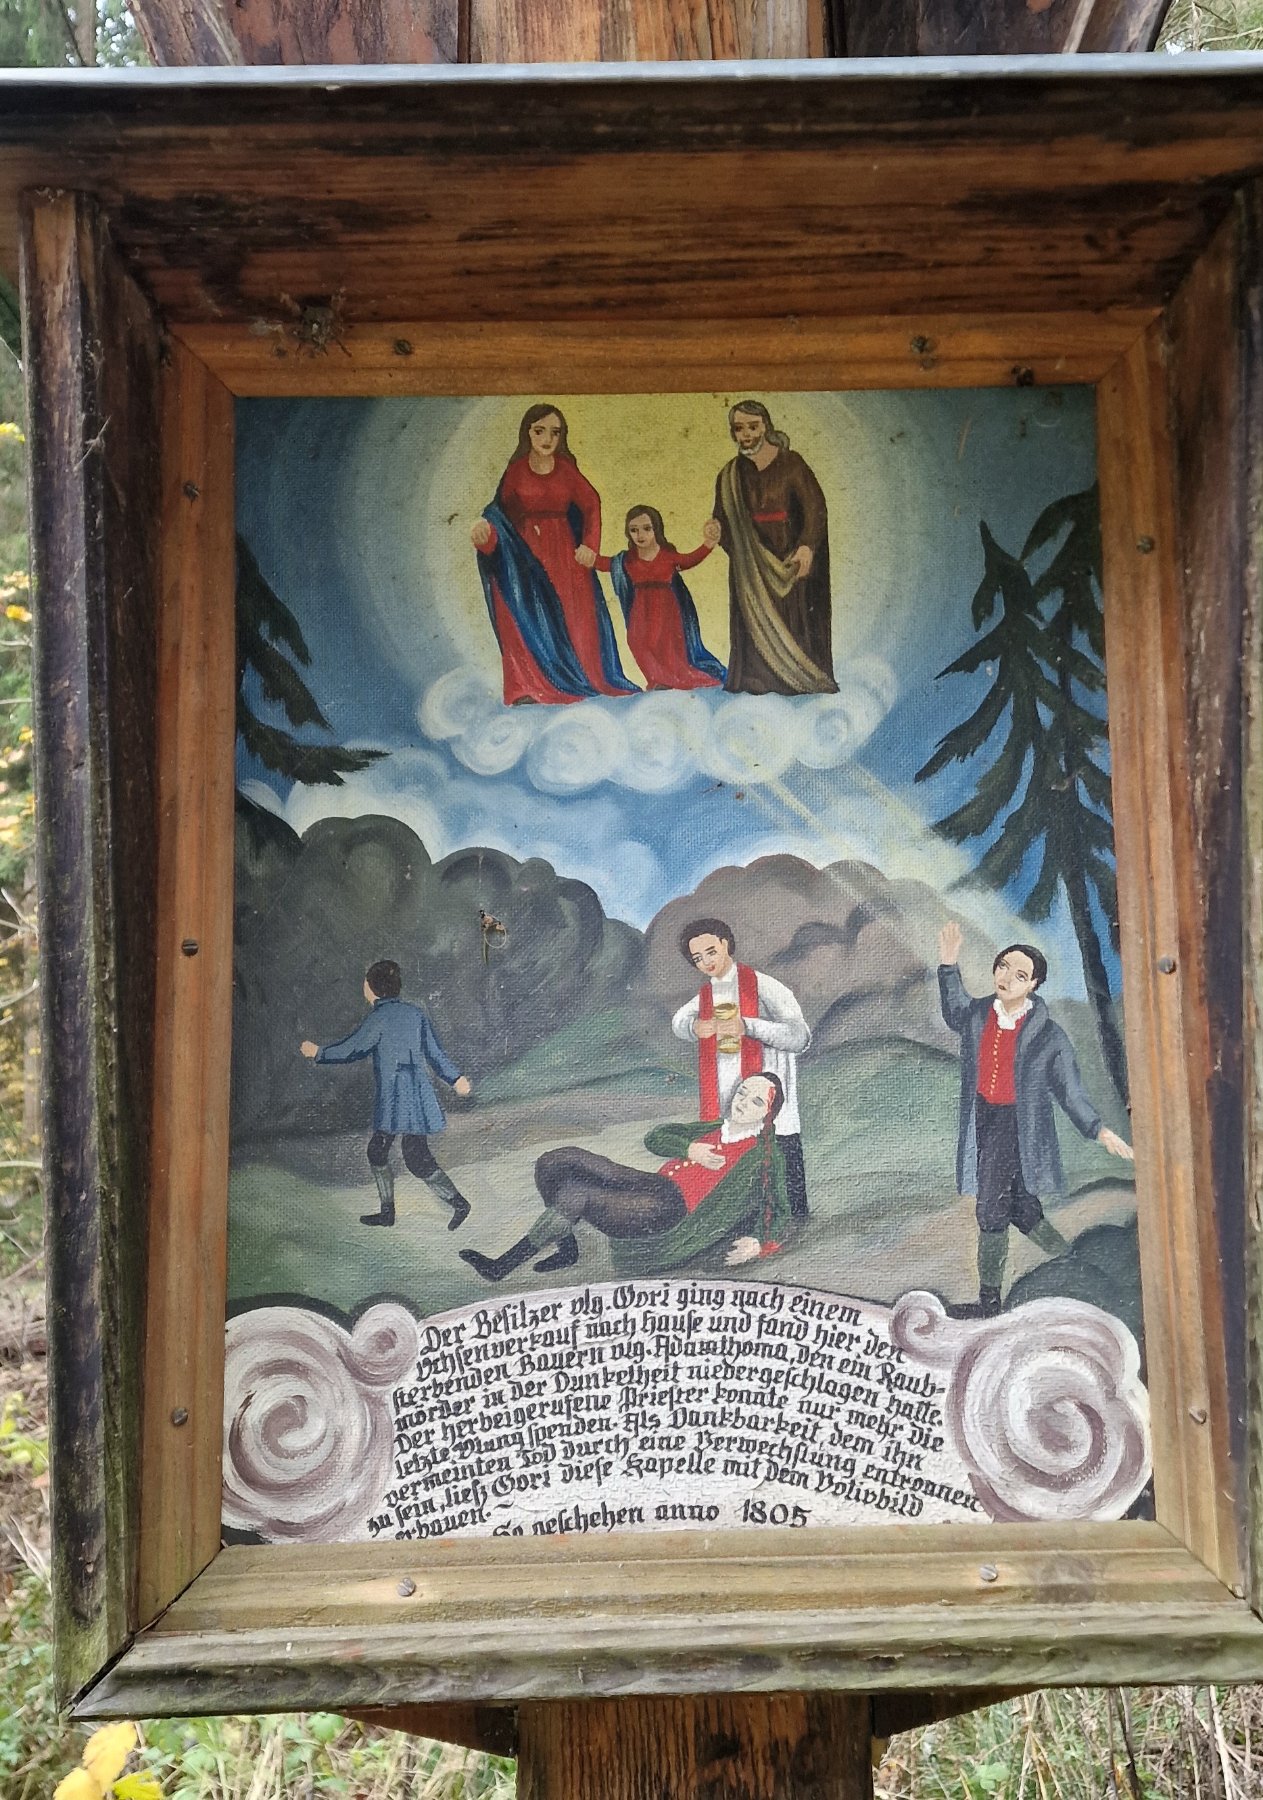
[537, 547]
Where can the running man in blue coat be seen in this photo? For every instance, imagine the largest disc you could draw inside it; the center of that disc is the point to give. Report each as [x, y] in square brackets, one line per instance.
[1015, 1062]
[404, 1047]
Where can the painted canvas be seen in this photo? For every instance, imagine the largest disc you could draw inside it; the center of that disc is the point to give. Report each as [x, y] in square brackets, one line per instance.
[678, 1075]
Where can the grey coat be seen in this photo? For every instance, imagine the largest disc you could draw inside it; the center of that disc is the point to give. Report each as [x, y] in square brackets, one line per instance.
[1044, 1070]
[402, 1043]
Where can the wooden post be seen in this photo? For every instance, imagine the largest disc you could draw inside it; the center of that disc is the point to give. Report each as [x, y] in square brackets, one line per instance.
[707, 1747]
[92, 357]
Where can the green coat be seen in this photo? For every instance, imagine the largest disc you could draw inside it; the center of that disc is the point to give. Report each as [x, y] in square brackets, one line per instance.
[741, 1205]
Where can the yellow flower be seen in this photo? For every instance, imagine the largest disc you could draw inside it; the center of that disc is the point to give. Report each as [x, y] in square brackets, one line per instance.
[9, 430]
[20, 578]
[26, 735]
[107, 1750]
[137, 1787]
[78, 1785]
[18, 613]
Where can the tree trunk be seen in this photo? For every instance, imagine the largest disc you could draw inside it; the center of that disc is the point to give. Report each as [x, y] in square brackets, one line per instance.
[1097, 982]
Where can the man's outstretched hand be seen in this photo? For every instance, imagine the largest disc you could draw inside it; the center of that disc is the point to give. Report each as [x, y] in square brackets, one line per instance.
[1110, 1140]
[309, 1049]
[950, 939]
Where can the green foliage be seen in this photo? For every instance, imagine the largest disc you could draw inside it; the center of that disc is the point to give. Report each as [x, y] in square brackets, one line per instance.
[23, 1449]
[50, 34]
[1223, 25]
[35, 1748]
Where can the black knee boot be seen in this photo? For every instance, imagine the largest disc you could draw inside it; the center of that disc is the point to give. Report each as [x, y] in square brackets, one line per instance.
[565, 1256]
[384, 1177]
[441, 1183]
[495, 1268]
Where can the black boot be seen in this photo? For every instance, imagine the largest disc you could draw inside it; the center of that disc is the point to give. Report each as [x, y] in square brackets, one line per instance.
[441, 1183]
[495, 1268]
[986, 1306]
[386, 1195]
[565, 1256]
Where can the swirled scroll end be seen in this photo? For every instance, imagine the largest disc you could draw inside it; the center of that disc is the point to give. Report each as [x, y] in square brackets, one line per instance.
[1044, 1404]
[920, 1327]
[308, 1419]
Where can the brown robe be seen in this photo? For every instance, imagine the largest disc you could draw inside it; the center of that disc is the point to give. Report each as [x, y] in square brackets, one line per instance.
[788, 487]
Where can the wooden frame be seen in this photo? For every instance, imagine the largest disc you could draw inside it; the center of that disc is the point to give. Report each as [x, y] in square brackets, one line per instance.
[882, 1608]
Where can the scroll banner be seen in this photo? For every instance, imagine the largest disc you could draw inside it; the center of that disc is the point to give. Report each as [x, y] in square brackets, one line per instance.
[675, 1403]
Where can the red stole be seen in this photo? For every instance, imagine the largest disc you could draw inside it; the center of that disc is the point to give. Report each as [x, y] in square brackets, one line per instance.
[707, 1047]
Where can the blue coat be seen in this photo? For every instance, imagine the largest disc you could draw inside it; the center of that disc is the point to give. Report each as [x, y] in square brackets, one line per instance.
[1044, 1070]
[401, 1041]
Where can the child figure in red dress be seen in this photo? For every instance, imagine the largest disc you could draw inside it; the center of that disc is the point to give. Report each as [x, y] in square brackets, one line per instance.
[662, 628]
[537, 545]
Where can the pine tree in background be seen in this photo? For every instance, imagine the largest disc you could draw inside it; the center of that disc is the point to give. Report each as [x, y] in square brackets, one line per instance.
[270, 643]
[1042, 808]
[50, 34]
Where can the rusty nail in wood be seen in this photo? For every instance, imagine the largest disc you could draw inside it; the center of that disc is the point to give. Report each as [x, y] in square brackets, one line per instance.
[1166, 965]
[921, 346]
[1145, 545]
[407, 1588]
[402, 347]
[190, 946]
[1022, 376]
[988, 1572]
[180, 1416]
[1197, 1414]
[192, 491]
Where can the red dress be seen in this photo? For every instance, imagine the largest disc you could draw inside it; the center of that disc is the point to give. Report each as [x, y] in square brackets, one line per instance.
[655, 633]
[539, 506]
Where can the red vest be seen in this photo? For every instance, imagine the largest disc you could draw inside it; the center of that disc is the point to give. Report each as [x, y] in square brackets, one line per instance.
[694, 1180]
[707, 1048]
[997, 1057]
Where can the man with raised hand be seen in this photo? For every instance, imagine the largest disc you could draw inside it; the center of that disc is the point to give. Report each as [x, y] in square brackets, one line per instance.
[1015, 1061]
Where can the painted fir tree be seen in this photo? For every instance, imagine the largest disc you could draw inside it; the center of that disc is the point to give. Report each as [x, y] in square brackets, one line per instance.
[270, 644]
[1041, 811]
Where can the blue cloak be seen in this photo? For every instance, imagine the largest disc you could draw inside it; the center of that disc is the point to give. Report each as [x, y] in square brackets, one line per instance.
[527, 591]
[699, 657]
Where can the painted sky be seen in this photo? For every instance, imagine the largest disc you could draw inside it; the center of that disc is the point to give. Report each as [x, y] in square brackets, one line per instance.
[359, 513]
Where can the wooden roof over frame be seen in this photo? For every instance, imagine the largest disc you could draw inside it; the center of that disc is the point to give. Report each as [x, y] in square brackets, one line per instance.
[647, 191]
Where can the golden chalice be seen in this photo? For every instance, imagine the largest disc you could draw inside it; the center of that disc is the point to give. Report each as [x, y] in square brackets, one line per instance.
[727, 1041]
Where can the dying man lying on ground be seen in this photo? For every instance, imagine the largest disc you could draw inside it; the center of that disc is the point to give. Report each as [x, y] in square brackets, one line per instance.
[723, 1183]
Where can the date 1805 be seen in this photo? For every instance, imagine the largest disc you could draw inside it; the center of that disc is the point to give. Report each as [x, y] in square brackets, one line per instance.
[758, 1512]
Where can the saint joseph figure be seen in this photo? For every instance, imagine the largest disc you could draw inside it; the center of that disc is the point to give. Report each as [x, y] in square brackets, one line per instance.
[775, 528]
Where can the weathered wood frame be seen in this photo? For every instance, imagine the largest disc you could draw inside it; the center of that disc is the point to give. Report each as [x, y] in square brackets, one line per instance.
[141, 1576]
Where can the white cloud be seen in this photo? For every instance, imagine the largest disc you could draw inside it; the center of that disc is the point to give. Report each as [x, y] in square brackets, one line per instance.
[656, 743]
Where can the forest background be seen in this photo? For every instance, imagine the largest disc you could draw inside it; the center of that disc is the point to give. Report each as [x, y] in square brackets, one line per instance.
[1078, 1745]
